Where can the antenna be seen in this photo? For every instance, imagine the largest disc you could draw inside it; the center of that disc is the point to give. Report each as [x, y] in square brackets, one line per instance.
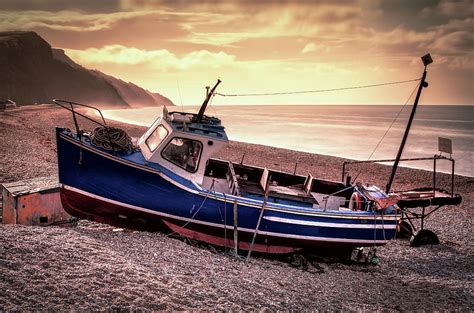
[179, 92]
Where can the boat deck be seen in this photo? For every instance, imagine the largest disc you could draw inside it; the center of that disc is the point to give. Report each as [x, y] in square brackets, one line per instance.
[425, 197]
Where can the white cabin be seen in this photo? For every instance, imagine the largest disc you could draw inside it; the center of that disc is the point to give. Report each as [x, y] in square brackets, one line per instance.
[179, 143]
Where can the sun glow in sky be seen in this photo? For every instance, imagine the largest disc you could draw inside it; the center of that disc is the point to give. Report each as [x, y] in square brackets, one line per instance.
[177, 48]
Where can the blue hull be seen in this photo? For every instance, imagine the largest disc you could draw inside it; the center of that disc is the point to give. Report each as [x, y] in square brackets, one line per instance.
[124, 189]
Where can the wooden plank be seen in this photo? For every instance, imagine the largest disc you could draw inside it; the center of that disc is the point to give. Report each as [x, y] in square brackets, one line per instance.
[236, 188]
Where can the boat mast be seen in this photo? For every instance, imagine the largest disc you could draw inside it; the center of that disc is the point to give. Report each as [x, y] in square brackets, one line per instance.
[206, 101]
[426, 61]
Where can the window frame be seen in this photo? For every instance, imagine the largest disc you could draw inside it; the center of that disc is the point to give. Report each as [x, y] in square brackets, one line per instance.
[179, 165]
[156, 128]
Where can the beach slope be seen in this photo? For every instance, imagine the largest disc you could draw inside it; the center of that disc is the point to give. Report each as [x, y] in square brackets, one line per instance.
[92, 267]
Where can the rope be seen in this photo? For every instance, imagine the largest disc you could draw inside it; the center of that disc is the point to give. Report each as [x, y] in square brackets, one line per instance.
[112, 138]
[388, 129]
[317, 90]
[195, 213]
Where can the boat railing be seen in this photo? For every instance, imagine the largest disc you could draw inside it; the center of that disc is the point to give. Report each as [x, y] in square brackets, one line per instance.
[435, 158]
[70, 105]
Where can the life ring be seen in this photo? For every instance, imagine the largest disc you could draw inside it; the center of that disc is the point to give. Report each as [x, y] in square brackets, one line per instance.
[355, 203]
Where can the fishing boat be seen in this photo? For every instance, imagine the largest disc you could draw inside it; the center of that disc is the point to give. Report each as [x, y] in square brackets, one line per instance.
[169, 180]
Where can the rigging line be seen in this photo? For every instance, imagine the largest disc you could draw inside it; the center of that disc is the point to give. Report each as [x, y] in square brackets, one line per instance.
[179, 92]
[210, 104]
[317, 90]
[388, 129]
[195, 213]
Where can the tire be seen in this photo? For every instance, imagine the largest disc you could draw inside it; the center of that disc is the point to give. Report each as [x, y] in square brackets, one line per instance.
[424, 237]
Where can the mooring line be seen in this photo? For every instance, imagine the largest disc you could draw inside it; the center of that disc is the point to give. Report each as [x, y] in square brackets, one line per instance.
[315, 91]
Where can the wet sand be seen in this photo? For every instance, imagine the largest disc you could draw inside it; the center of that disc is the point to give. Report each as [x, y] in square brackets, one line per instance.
[91, 267]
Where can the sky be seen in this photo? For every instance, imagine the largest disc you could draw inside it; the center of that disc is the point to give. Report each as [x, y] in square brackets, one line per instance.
[178, 47]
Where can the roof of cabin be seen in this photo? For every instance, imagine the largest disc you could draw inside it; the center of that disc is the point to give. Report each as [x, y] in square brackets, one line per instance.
[209, 126]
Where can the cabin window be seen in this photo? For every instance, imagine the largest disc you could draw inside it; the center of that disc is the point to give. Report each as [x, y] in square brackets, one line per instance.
[183, 152]
[156, 137]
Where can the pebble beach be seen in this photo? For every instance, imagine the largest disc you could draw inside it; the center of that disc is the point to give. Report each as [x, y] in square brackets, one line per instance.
[91, 266]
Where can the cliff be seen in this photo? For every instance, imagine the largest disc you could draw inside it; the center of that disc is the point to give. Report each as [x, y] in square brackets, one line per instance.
[33, 72]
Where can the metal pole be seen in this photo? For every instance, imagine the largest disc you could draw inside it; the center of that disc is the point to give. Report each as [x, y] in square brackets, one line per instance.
[242, 160]
[75, 119]
[202, 110]
[407, 130]
[343, 171]
[452, 180]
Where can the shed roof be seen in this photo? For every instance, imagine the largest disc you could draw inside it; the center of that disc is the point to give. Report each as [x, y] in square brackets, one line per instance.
[27, 186]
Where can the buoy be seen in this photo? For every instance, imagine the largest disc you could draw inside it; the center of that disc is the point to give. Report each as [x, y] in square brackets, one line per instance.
[355, 203]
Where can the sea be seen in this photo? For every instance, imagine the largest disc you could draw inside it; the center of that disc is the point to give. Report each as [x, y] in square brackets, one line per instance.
[359, 132]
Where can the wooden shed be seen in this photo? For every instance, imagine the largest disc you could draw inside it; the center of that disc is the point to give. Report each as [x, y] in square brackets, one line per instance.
[33, 202]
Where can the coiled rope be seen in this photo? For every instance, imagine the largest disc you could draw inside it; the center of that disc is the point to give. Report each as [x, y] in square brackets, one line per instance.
[317, 90]
[112, 138]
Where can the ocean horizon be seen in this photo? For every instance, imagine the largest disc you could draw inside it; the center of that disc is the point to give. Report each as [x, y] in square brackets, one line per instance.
[348, 131]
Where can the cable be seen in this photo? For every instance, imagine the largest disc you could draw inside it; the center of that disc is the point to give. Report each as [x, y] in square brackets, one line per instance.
[388, 129]
[317, 90]
[195, 213]
[179, 92]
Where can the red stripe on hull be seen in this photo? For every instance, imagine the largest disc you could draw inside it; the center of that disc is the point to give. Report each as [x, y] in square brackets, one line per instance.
[219, 241]
[87, 207]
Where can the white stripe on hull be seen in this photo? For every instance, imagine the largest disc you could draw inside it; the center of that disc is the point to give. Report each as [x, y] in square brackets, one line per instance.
[248, 230]
[324, 224]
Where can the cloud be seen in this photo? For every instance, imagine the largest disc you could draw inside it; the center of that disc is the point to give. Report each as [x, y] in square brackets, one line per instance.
[454, 43]
[272, 21]
[64, 20]
[457, 8]
[252, 39]
[93, 6]
[157, 59]
[312, 47]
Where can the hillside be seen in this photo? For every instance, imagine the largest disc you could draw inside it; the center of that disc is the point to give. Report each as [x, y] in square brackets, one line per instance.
[33, 72]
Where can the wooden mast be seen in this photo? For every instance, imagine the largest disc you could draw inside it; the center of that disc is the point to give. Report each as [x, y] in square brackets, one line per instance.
[426, 61]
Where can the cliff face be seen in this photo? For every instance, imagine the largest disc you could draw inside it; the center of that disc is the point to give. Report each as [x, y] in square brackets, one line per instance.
[134, 95]
[33, 72]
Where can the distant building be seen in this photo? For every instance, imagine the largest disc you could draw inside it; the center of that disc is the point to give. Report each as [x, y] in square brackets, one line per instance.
[7, 104]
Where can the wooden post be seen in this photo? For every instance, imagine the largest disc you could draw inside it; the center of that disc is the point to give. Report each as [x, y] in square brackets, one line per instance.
[267, 191]
[236, 232]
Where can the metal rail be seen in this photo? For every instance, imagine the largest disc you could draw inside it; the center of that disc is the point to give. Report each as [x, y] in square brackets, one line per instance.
[71, 104]
[434, 158]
